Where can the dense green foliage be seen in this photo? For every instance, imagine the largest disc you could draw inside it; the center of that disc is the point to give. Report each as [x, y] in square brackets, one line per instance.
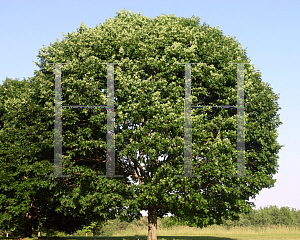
[25, 193]
[149, 119]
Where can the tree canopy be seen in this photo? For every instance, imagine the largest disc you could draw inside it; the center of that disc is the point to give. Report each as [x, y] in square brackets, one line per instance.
[149, 120]
[27, 200]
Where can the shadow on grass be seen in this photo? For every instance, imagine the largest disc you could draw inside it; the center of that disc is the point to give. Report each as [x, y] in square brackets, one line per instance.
[129, 238]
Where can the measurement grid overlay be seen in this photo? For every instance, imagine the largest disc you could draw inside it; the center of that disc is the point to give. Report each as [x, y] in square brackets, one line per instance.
[110, 157]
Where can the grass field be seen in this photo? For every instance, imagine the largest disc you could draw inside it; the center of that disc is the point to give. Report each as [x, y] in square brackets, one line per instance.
[209, 233]
[220, 233]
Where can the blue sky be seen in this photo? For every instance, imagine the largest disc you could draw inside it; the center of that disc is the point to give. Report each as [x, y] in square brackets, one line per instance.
[268, 29]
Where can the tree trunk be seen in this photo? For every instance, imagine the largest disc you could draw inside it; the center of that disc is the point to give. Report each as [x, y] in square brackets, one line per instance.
[152, 224]
[28, 227]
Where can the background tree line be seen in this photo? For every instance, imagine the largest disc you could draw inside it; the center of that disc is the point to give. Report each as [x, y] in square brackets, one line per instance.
[267, 216]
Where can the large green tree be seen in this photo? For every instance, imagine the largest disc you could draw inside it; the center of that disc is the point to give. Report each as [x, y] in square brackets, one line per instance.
[149, 120]
[13, 94]
[28, 199]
